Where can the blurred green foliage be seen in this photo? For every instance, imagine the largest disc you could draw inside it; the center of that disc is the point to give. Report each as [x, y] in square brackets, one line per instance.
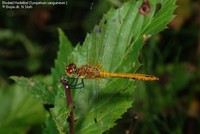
[28, 41]
[19, 113]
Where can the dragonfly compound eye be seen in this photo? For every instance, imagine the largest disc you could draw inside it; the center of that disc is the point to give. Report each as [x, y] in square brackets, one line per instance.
[70, 69]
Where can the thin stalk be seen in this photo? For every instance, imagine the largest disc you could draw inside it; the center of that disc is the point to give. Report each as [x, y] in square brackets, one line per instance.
[69, 101]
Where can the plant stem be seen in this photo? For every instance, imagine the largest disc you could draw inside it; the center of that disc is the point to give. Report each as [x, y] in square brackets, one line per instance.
[69, 101]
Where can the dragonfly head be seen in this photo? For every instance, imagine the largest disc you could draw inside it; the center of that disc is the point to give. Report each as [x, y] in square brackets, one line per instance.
[71, 70]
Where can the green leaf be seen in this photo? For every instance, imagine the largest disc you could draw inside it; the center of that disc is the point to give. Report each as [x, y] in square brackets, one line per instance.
[50, 127]
[59, 112]
[115, 44]
[65, 49]
[41, 91]
[19, 111]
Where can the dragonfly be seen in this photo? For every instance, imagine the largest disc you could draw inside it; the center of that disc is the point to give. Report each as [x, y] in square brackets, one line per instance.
[90, 71]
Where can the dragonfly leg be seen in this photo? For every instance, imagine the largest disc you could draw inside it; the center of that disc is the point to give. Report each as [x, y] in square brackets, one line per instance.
[73, 82]
[79, 85]
[75, 85]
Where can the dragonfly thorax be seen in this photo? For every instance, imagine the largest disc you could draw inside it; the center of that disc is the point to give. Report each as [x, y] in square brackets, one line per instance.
[84, 71]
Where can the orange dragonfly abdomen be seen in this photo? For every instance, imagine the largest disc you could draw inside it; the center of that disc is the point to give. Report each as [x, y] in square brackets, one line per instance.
[130, 76]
